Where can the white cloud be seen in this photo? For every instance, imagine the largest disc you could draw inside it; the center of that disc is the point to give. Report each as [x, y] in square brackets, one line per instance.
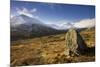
[26, 11]
[33, 10]
[85, 23]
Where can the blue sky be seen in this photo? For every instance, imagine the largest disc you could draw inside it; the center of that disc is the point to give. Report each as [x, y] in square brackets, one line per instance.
[51, 12]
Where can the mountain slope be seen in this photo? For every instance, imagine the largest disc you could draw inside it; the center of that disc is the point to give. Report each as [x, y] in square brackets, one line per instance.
[23, 26]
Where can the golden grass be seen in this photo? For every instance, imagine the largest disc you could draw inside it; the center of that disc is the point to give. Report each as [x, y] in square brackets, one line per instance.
[47, 50]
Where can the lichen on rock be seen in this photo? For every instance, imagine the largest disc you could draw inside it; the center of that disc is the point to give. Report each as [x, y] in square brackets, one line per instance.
[74, 43]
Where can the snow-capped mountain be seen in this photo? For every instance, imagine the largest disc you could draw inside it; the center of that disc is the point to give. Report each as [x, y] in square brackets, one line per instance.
[61, 26]
[26, 20]
[86, 23]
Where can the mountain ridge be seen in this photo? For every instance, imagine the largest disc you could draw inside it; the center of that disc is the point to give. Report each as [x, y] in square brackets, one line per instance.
[23, 26]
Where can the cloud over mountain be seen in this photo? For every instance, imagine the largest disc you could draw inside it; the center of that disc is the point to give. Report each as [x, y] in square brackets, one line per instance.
[60, 25]
[85, 23]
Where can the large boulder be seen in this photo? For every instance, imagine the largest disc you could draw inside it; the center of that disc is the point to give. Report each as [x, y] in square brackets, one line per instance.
[74, 43]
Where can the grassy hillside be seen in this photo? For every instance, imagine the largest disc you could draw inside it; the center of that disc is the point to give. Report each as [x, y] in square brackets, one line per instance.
[89, 36]
[48, 50]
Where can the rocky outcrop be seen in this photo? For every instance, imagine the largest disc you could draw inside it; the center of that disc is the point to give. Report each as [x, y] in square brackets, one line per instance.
[74, 43]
